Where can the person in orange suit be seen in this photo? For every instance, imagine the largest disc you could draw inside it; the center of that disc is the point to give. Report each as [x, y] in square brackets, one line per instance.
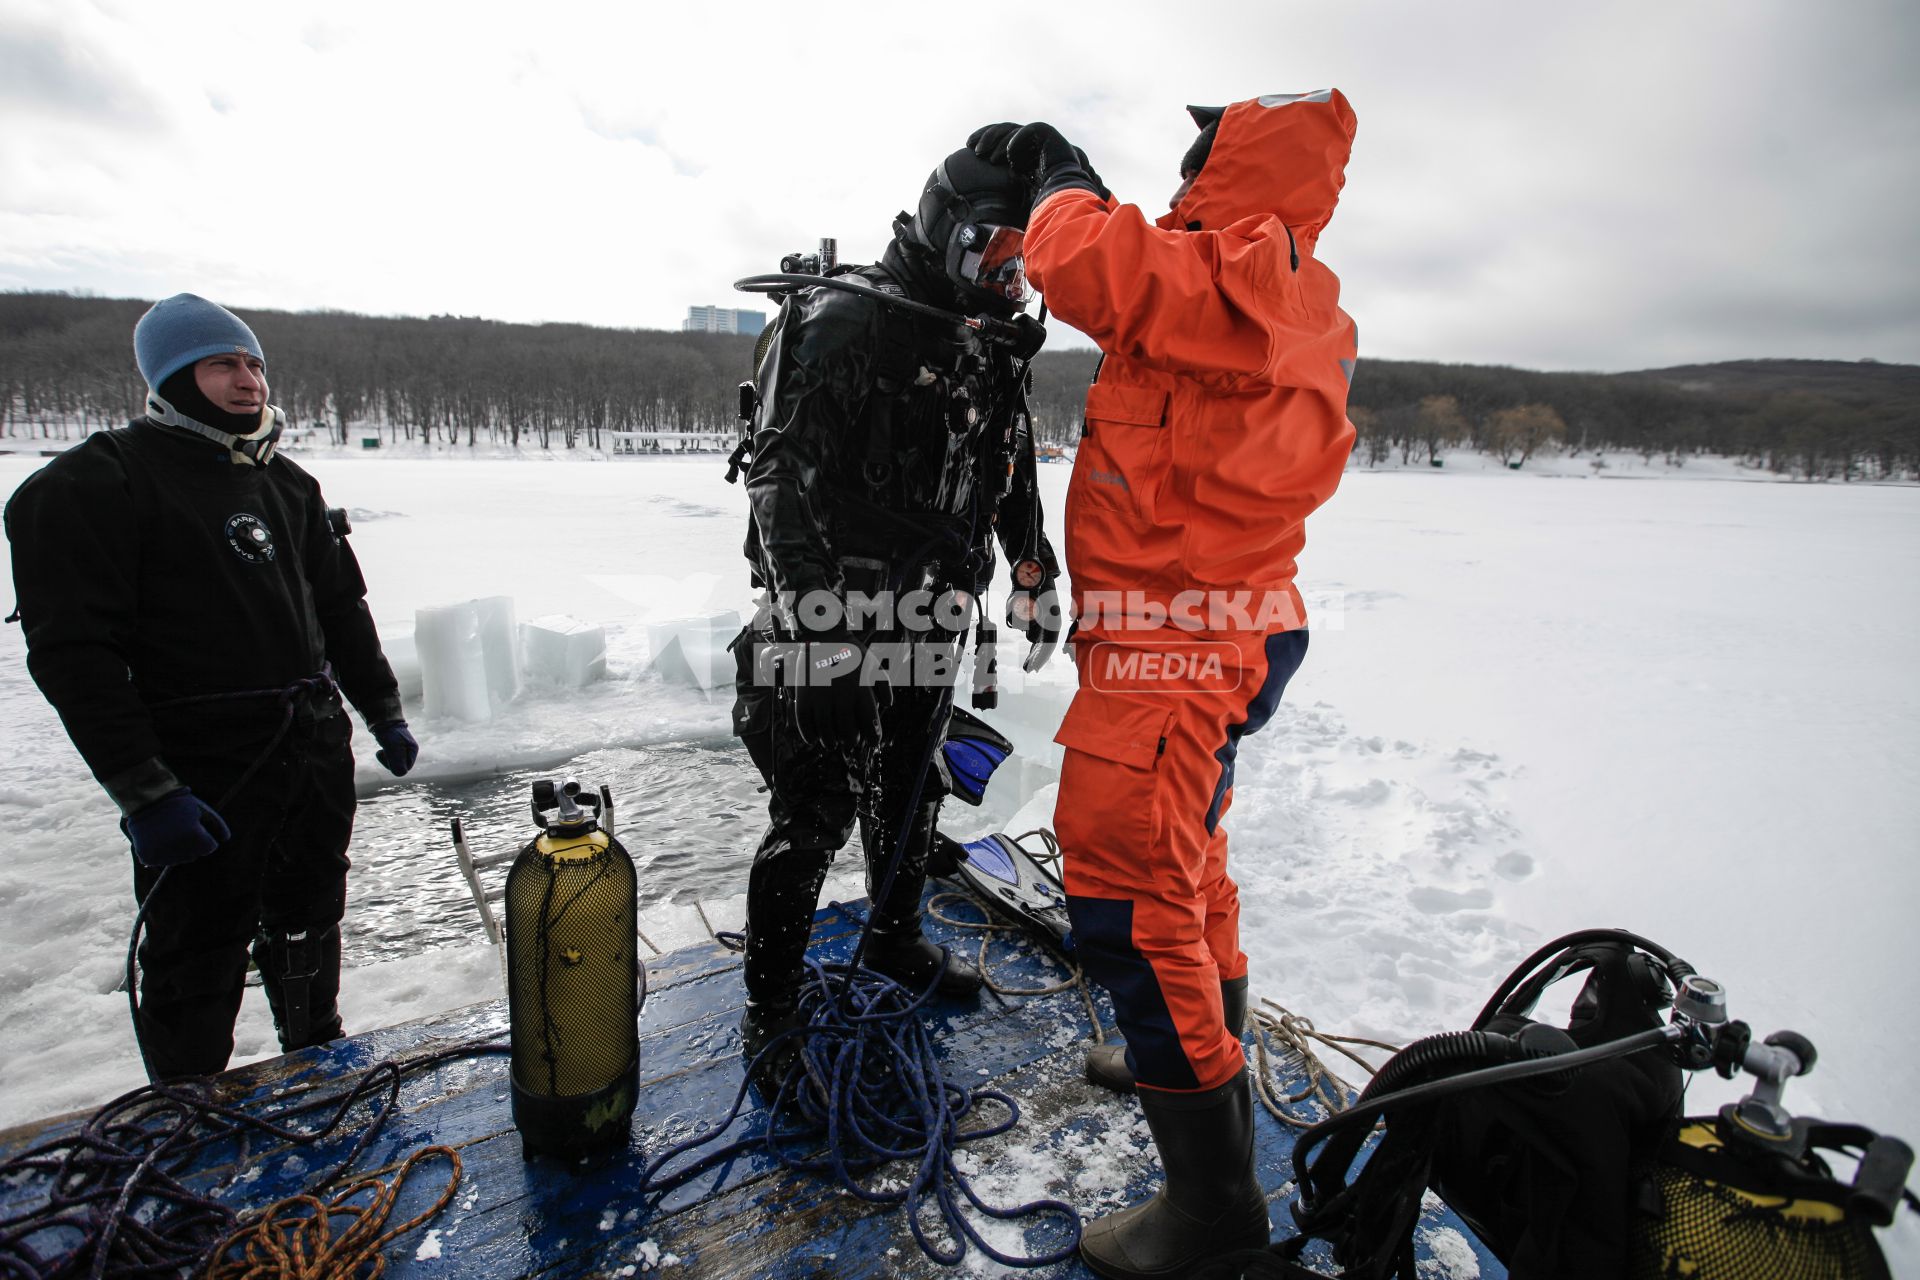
[1216, 423]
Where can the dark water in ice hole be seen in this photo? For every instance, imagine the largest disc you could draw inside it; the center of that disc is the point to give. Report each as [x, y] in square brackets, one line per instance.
[690, 813]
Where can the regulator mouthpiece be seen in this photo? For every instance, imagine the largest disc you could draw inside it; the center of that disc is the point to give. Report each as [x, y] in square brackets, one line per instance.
[1701, 1000]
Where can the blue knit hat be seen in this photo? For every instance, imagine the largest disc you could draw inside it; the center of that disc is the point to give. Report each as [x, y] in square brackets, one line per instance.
[180, 330]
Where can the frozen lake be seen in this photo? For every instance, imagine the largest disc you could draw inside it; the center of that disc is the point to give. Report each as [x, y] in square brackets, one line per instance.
[1681, 703]
[689, 813]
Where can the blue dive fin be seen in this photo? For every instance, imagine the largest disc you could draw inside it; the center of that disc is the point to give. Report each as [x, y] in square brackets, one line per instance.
[972, 751]
[1003, 875]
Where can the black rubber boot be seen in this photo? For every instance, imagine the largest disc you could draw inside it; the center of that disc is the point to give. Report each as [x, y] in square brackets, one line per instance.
[911, 960]
[760, 1026]
[1107, 1063]
[300, 973]
[783, 888]
[897, 948]
[1211, 1205]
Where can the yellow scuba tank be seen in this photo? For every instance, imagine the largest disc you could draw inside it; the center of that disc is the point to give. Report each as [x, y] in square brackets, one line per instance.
[1730, 1211]
[575, 982]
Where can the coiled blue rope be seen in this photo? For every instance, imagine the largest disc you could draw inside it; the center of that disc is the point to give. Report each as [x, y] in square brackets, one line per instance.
[866, 1079]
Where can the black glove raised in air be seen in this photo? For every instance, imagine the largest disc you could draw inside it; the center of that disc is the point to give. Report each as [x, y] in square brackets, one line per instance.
[1042, 156]
[989, 141]
[832, 706]
[1035, 609]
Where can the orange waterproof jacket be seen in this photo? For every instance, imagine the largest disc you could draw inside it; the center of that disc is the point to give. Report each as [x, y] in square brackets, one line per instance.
[1217, 421]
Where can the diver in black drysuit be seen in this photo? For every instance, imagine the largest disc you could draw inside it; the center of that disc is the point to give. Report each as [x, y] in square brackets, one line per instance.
[892, 449]
[184, 600]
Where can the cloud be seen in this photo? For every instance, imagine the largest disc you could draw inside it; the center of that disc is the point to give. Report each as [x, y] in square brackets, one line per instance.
[1595, 186]
[46, 72]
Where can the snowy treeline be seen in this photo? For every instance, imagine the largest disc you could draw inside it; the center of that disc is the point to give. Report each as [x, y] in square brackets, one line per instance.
[66, 367]
[1817, 419]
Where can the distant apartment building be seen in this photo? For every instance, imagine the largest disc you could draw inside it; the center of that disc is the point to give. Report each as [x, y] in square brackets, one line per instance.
[723, 320]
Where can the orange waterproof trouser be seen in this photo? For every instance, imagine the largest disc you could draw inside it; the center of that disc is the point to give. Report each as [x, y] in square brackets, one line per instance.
[1147, 778]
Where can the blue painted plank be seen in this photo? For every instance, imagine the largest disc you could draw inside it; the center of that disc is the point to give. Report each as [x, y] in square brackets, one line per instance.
[510, 1217]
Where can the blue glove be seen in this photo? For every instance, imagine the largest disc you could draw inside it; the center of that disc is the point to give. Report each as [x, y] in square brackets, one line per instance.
[176, 828]
[397, 750]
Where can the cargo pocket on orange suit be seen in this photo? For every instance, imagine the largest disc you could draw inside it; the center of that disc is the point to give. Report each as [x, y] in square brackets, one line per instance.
[1125, 457]
[1111, 811]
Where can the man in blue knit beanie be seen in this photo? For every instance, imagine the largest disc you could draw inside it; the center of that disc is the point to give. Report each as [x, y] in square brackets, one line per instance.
[194, 613]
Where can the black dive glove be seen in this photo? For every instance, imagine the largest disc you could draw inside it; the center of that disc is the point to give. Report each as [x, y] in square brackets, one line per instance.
[989, 141]
[1047, 162]
[1035, 609]
[831, 707]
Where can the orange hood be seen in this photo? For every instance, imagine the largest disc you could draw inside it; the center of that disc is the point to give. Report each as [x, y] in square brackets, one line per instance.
[1283, 155]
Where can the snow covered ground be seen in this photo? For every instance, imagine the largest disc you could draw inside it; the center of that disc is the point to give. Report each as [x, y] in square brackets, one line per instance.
[1535, 701]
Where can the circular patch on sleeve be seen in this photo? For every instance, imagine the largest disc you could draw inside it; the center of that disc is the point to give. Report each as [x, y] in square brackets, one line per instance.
[250, 538]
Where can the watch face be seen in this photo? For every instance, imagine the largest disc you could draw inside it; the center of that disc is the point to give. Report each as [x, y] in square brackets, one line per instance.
[250, 538]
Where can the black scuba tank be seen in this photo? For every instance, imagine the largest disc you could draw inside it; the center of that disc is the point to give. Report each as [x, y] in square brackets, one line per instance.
[575, 982]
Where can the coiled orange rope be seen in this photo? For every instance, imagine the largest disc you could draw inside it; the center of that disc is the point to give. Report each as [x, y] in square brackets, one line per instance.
[294, 1239]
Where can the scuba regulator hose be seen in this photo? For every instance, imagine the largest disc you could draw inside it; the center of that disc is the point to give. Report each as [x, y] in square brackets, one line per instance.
[779, 282]
[1507, 1058]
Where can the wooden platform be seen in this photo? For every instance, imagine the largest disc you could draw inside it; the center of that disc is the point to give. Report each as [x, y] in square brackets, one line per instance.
[511, 1217]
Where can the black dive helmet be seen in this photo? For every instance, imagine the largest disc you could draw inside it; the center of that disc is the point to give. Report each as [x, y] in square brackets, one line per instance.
[972, 218]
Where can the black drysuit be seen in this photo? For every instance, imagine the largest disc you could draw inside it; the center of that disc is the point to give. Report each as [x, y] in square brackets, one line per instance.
[182, 613]
[891, 451]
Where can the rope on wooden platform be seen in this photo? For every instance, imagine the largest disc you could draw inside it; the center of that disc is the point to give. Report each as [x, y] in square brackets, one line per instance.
[112, 1198]
[865, 1079]
[294, 1238]
[1283, 1031]
[987, 927]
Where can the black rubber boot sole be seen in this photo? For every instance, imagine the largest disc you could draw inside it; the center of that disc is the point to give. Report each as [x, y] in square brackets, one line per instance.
[1111, 1246]
[1212, 1203]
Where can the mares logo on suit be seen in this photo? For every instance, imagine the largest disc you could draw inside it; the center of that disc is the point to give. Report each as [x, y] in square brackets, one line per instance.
[250, 538]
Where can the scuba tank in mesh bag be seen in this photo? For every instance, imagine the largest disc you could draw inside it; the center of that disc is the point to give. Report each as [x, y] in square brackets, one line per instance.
[575, 982]
[1731, 1211]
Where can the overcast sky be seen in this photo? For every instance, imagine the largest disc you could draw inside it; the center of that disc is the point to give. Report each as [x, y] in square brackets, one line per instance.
[1596, 185]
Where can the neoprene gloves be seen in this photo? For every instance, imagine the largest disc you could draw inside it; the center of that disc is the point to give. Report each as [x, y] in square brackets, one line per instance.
[832, 707]
[1040, 155]
[178, 827]
[398, 749]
